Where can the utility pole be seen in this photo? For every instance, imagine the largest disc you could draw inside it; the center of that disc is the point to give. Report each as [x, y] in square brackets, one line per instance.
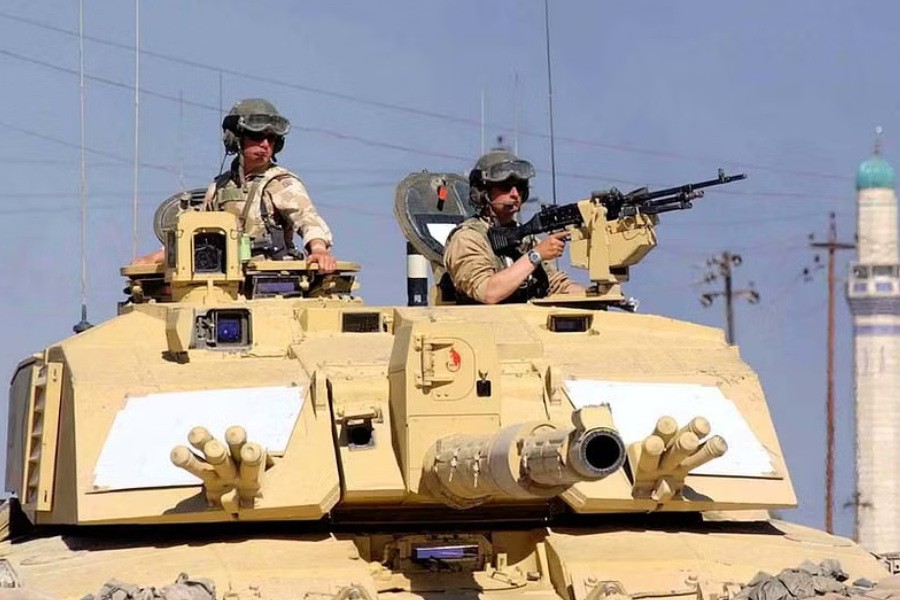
[721, 266]
[832, 245]
[856, 502]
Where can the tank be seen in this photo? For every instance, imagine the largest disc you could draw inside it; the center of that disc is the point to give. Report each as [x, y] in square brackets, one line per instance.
[250, 428]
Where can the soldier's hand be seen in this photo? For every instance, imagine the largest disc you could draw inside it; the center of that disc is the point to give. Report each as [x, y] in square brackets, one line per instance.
[327, 263]
[553, 245]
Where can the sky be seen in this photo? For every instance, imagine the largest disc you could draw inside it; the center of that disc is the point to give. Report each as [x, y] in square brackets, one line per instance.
[644, 93]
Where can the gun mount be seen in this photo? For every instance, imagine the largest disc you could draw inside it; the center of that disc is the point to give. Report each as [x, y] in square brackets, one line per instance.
[610, 232]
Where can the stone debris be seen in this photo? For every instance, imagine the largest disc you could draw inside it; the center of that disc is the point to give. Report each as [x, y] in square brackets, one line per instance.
[825, 581]
[184, 588]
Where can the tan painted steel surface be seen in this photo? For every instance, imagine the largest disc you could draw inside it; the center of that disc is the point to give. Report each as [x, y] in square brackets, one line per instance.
[397, 417]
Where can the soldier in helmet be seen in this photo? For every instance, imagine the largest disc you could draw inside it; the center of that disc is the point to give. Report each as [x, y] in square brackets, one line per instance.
[498, 185]
[270, 202]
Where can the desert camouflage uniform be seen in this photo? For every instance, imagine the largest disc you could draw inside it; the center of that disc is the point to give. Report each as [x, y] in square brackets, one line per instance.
[287, 203]
[470, 262]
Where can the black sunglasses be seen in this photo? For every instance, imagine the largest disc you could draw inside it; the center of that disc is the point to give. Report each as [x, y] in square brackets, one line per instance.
[506, 186]
[258, 136]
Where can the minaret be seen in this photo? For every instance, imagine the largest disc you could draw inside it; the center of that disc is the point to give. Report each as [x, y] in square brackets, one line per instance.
[873, 291]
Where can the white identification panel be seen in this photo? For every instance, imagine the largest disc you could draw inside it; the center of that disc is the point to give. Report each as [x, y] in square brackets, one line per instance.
[636, 407]
[440, 231]
[136, 451]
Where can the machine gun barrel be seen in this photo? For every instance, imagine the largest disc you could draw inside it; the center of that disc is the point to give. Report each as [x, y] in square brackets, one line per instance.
[506, 238]
[525, 461]
[651, 203]
[689, 188]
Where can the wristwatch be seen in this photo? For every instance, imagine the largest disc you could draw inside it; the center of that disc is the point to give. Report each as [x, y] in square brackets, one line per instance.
[534, 258]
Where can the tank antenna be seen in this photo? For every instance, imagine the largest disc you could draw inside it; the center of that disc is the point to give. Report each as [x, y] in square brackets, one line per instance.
[181, 139]
[483, 143]
[516, 114]
[137, 114]
[550, 96]
[82, 325]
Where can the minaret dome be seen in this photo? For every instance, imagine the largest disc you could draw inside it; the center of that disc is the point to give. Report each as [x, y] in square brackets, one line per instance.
[875, 173]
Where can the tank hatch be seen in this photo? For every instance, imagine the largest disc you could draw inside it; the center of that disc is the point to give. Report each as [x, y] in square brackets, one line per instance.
[428, 206]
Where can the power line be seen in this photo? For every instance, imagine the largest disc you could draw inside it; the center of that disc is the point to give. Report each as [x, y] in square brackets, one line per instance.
[56, 209]
[417, 111]
[374, 142]
[173, 169]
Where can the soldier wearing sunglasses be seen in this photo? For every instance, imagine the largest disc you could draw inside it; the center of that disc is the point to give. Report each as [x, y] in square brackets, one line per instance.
[498, 186]
[270, 202]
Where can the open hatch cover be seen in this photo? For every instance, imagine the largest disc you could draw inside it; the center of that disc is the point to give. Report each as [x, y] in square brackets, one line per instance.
[428, 206]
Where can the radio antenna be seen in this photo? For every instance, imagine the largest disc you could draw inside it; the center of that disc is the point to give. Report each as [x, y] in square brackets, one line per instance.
[483, 138]
[550, 96]
[82, 325]
[137, 116]
[516, 114]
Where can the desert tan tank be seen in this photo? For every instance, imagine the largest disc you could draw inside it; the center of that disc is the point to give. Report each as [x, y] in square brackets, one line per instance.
[253, 423]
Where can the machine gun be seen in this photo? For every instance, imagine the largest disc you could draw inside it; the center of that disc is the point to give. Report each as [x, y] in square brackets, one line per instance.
[506, 238]
[652, 203]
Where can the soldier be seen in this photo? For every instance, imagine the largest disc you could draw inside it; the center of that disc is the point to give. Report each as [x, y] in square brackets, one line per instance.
[498, 185]
[270, 202]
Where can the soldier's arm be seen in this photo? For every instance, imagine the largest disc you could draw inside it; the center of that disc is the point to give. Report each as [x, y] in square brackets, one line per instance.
[290, 198]
[469, 261]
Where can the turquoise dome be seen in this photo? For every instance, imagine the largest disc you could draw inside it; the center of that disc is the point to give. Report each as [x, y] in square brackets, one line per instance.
[875, 173]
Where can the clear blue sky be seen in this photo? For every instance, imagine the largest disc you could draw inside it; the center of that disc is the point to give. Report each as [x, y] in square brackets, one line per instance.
[645, 93]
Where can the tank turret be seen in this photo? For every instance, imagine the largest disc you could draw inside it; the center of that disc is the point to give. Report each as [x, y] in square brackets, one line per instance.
[254, 423]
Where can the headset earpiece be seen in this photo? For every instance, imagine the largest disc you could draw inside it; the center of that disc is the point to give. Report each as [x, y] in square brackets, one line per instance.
[231, 142]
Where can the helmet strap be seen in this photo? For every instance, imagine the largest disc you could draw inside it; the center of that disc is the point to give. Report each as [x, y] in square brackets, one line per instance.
[222, 164]
[242, 180]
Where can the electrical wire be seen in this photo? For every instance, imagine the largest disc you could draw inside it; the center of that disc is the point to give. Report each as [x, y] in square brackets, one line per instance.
[388, 145]
[418, 111]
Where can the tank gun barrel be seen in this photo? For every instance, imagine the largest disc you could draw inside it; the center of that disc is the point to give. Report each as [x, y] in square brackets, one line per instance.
[523, 461]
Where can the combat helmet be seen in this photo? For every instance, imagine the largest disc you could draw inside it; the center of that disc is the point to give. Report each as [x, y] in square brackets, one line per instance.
[497, 166]
[254, 115]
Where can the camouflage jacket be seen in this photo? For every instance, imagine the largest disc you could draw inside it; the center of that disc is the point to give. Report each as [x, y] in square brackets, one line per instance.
[276, 195]
[470, 262]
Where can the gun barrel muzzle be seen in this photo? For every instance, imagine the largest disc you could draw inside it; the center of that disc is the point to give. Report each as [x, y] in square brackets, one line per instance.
[217, 455]
[253, 460]
[712, 448]
[181, 456]
[596, 453]
[198, 436]
[530, 460]
[684, 445]
[666, 428]
[235, 437]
